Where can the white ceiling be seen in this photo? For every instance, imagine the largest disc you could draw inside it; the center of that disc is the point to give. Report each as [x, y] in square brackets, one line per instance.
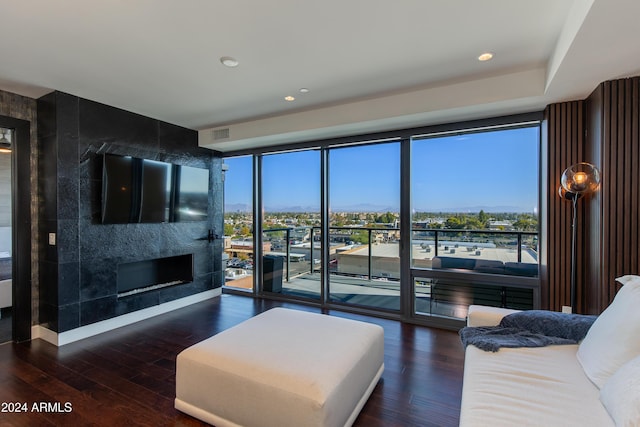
[370, 65]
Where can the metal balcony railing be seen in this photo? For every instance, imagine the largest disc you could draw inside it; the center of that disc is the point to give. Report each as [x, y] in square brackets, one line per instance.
[518, 240]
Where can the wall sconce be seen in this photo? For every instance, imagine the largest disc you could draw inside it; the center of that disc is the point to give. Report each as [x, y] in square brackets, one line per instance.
[576, 181]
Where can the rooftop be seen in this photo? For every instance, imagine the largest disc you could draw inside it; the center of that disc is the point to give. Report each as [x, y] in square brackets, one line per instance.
[462, 251]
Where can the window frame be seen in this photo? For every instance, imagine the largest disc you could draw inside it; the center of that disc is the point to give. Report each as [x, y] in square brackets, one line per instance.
[407, 272]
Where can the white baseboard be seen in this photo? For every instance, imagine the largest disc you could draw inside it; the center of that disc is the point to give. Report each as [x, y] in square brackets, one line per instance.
[62, 338]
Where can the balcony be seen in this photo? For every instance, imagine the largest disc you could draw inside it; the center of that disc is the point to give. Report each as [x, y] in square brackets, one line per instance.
[451, 268]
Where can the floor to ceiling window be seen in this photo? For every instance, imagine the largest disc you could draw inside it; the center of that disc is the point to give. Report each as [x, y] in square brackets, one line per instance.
[467, 201]
[474, 220]
[364, 234]
[238, 222]
[291, 223]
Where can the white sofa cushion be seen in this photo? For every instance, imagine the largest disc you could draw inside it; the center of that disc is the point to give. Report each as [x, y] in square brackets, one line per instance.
[482, 315]
[613, 340]
[542, 386]
[621, 394]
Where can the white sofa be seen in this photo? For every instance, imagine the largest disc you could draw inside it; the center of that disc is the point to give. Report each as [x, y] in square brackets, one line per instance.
[594, 383]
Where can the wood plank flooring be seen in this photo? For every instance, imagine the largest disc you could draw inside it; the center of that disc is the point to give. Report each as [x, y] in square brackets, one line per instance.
[127, 376]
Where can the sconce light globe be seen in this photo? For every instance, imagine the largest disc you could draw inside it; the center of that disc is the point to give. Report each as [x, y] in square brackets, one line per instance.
[581, 178]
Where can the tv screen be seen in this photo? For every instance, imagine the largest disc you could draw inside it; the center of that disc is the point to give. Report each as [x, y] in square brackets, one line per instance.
[156, 191]
[117, 189]
[138, 190]
[192, 195]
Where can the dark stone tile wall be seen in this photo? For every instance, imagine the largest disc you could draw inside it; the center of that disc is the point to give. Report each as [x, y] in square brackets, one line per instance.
[78, 275]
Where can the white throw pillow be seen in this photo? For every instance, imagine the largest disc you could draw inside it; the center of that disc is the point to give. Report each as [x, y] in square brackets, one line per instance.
[613, 339]
[621, 395]
[628, 279]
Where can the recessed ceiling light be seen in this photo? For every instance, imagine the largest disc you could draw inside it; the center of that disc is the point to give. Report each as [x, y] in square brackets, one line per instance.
[228, 61]
[485, 56]
[289, 98]
[304, 90]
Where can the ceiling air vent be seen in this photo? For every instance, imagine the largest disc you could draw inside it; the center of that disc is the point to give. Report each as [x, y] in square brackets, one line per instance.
[219, 134]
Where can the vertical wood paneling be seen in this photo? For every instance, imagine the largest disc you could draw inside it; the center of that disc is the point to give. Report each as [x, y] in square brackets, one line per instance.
[564, 125]
[577, 128]
[615, 144]
[617, 140]
[608, 234]
[634, 189]
[593, 213]
[603, 257]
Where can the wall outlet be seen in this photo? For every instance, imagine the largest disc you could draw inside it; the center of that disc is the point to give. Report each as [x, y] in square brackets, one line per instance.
[52, 239]
[567, 309]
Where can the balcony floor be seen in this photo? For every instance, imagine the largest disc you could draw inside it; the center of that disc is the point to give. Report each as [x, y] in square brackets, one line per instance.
[382, 294]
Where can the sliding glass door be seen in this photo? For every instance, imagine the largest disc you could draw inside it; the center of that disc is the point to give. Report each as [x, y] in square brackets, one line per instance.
[364, 233]
[291, 223]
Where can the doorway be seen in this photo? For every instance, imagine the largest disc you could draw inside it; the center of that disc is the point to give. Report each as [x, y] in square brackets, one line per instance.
[15, 229]
[6, 287]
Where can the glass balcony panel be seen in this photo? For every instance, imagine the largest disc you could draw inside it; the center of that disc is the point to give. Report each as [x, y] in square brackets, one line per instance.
[364, 267]
[451, 298]
[477, 251]
[304, 266]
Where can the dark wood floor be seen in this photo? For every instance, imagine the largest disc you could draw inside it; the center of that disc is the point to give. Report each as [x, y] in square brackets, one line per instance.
[127, 376]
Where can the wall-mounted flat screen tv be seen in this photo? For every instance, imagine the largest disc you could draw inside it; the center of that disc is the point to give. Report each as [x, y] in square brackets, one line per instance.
[192, 195]
[138, 190]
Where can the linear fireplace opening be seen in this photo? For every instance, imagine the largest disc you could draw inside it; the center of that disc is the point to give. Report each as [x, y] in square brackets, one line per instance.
[147, 275]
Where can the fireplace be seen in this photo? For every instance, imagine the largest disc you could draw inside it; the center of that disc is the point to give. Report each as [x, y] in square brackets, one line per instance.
[147, 275]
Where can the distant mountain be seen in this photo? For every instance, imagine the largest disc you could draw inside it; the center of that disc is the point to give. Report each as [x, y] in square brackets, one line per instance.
[237, 207]
[297, 209]
[368, 207]
[475, 209]
[364, 207]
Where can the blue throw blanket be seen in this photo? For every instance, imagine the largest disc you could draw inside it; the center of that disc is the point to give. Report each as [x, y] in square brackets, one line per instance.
[531, 328]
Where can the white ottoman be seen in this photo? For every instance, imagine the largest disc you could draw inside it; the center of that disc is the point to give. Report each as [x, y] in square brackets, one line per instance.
[282, 368]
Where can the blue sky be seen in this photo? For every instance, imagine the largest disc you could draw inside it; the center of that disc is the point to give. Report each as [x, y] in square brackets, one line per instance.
[489, 170]
[492, 169]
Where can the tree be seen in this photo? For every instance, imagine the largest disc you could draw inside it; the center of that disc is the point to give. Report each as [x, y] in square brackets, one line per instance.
[472, 223]
[361, 237]
[229, 230]
[483, 218]
[455, 222]
[386, 218]
[525, 224]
